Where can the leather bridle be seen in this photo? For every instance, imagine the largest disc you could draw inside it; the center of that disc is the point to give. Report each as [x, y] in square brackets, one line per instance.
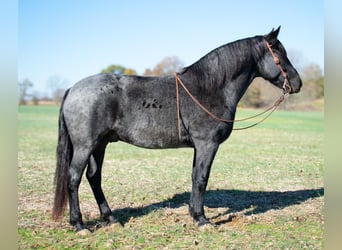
[286, 86]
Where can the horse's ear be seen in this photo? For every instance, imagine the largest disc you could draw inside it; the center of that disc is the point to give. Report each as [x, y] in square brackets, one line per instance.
[272, 36]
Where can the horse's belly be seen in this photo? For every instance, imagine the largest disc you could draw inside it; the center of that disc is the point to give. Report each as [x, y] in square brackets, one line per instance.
[147, 133]
[147, 138]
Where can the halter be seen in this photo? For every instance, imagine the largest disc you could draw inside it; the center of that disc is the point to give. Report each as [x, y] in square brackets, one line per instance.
[286, 90]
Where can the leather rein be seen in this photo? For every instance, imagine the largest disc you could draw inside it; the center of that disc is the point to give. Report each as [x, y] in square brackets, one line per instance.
[271, 109]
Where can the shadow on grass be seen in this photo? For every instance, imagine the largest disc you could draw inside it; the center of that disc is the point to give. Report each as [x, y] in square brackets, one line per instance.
[234, 200]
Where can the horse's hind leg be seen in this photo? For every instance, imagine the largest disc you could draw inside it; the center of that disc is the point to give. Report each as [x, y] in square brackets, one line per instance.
[94, 178]
[77, 166]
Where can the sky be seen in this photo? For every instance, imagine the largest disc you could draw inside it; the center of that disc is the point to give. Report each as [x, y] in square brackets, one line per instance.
[70, 40]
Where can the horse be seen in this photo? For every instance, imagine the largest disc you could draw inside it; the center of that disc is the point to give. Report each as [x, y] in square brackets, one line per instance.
[153, 112]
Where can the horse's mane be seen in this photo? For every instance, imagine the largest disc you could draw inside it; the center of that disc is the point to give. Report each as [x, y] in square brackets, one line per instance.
[212, 70]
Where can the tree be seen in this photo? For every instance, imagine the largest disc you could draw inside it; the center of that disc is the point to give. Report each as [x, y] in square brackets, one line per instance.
[35, 98]
[118, 69]
[148, 72]
[313, 81]
[24, 88]
[58, 94]
[166, 67]
[262, 94]
[259, 94]
[57, 85]
[128, 71]
[252, 97]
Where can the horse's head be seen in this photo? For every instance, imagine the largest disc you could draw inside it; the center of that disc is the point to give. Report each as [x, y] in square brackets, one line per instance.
[275, 67]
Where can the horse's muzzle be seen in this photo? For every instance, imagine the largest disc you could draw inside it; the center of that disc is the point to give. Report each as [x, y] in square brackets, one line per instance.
[295, 88]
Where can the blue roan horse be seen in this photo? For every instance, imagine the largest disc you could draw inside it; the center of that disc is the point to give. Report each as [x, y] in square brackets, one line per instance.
[142, 111]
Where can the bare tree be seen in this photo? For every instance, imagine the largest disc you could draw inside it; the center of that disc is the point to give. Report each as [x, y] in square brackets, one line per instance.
[24, 88]
[313, 81]
[148, 72]
[57, 86]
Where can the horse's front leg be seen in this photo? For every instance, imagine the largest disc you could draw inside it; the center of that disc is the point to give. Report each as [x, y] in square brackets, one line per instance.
[203, 158]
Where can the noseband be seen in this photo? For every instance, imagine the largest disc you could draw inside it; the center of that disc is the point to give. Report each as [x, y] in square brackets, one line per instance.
[286, 86]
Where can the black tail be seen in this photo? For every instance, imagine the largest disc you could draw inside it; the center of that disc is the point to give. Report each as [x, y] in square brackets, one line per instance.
[64, 155]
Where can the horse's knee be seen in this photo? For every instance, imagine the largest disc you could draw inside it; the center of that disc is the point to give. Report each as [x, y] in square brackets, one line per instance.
[76, 171]
[74, 179]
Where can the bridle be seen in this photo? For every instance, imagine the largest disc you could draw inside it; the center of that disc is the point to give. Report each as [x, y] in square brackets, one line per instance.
[286, 86]
[286, 92]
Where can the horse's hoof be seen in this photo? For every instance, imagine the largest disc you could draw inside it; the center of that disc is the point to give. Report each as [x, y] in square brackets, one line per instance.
[111, 220]
[203, 221]
[83, 232]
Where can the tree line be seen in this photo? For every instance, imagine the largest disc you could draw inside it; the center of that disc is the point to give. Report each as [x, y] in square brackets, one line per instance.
[259, 94]
[166, 66]
[311, 97]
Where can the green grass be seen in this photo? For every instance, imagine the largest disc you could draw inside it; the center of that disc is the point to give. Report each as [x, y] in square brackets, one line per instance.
[265, 190]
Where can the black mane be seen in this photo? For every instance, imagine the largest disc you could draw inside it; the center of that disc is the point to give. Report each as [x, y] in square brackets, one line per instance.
[226, 61]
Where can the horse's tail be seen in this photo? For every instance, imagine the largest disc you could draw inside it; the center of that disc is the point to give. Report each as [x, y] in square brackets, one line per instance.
[64, 156]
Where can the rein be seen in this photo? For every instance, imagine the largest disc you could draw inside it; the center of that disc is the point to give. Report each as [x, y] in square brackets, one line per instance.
[286, 89]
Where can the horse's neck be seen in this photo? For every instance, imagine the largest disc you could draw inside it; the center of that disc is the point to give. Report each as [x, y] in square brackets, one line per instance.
[234, 71]
[236, 87]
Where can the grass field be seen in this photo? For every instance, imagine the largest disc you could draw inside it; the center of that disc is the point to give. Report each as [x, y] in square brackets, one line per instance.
[266, 190]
